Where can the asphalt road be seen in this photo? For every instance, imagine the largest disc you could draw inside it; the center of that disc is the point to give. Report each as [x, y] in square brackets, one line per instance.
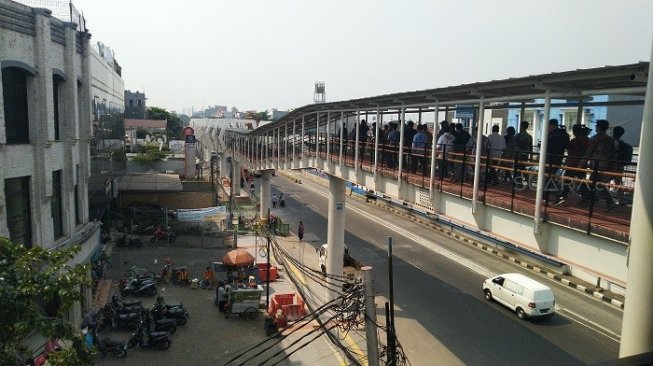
[441, 315]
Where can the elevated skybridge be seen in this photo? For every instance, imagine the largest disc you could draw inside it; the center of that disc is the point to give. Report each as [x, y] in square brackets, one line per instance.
[450, 183]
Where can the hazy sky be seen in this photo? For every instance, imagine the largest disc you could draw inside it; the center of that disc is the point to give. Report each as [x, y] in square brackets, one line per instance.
[268, 53]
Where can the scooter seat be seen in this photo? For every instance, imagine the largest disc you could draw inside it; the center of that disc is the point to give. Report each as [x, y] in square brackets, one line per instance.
[111, 343]
[176, 311]
[165, 321]
[128, 316]
[158, 334]
[131, 303]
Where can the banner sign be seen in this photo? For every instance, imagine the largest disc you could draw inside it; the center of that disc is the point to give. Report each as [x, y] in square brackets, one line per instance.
[198, 214]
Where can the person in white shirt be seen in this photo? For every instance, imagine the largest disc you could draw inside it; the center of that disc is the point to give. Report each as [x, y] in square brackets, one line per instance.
[445, 146]
[495, 146]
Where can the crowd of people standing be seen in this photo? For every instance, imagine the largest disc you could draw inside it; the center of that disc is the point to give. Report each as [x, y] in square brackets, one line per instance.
[566, 155]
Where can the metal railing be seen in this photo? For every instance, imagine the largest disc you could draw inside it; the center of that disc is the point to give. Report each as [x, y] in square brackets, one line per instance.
[508, 179]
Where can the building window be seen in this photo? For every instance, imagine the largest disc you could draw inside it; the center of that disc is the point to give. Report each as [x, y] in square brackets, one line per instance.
[139, 103]
[131, 103]
[18, 211]
[14, 89]
[570, 119]
[80, 111]
[55, 204]
[96, 108]
[56, 84]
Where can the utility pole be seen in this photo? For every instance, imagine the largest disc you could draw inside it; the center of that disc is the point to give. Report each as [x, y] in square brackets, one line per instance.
[370, 318]
[392, 346]
[267, 280]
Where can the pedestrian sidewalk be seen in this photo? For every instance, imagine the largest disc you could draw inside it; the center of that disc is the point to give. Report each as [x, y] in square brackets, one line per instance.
[292, 278]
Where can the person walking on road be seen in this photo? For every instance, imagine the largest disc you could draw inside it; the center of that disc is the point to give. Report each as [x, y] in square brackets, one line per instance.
[274, 200]
[300, 230]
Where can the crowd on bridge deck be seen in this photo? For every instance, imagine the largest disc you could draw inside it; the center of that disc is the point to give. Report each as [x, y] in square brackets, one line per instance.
[605, 156]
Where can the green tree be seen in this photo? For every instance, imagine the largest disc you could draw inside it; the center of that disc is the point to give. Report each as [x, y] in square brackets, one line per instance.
[37, 287]
[262, 116]
[174, 126]
[151, 153]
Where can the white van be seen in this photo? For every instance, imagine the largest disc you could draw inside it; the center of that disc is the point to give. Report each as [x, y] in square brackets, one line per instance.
[527, 297]
[323, 253]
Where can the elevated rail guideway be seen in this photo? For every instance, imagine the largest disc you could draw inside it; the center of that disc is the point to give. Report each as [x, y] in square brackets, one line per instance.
[457, 185]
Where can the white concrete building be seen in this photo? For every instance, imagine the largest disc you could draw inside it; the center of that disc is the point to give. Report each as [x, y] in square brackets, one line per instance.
[45, 130]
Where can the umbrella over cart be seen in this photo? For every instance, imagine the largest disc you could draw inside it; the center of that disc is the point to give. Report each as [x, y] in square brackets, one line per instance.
[238, 258]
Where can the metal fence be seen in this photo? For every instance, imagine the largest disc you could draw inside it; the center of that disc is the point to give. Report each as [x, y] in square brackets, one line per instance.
[62, 10]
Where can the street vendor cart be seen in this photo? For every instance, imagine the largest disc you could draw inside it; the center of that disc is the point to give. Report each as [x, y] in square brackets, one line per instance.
[244, 301]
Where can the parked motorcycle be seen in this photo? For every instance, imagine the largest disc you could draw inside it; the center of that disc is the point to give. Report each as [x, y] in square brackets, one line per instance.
[163, 233]
[125, 303]
[160, 301]
[118, 308]
[161, 325]
[162, 311]
[135, 287]
[117, 349]
[160, 340]
[129, 241]
[117, 320]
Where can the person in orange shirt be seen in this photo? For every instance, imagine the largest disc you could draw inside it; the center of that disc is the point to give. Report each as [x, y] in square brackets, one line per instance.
[208, 279]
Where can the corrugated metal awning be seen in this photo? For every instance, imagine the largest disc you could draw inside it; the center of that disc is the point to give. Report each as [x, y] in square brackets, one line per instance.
[150, 182]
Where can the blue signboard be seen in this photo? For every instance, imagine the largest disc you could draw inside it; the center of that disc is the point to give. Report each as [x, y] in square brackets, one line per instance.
[465, 112]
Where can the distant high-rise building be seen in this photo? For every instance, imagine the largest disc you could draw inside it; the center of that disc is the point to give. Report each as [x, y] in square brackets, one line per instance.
[134, 105]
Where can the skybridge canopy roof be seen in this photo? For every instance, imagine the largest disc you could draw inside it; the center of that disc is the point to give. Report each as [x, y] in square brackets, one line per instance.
[577, 84]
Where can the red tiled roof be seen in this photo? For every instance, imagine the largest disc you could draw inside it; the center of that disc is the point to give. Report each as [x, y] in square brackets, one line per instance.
[146, 123]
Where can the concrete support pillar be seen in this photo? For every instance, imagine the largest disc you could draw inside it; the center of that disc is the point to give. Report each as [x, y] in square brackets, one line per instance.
[637, 326]
[41, 132]
[541, 173]
[69, 128]
[84, 123]
[265, 194]
[224, 168]
[236, 184]
[336, 226]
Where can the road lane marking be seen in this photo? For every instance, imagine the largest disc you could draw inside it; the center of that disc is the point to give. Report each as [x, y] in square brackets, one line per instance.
[588, 323]
[423, 242]
[577, 318]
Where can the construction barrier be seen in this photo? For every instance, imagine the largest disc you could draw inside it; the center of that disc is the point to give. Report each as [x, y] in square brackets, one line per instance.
[263, 272]
[291, 305]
